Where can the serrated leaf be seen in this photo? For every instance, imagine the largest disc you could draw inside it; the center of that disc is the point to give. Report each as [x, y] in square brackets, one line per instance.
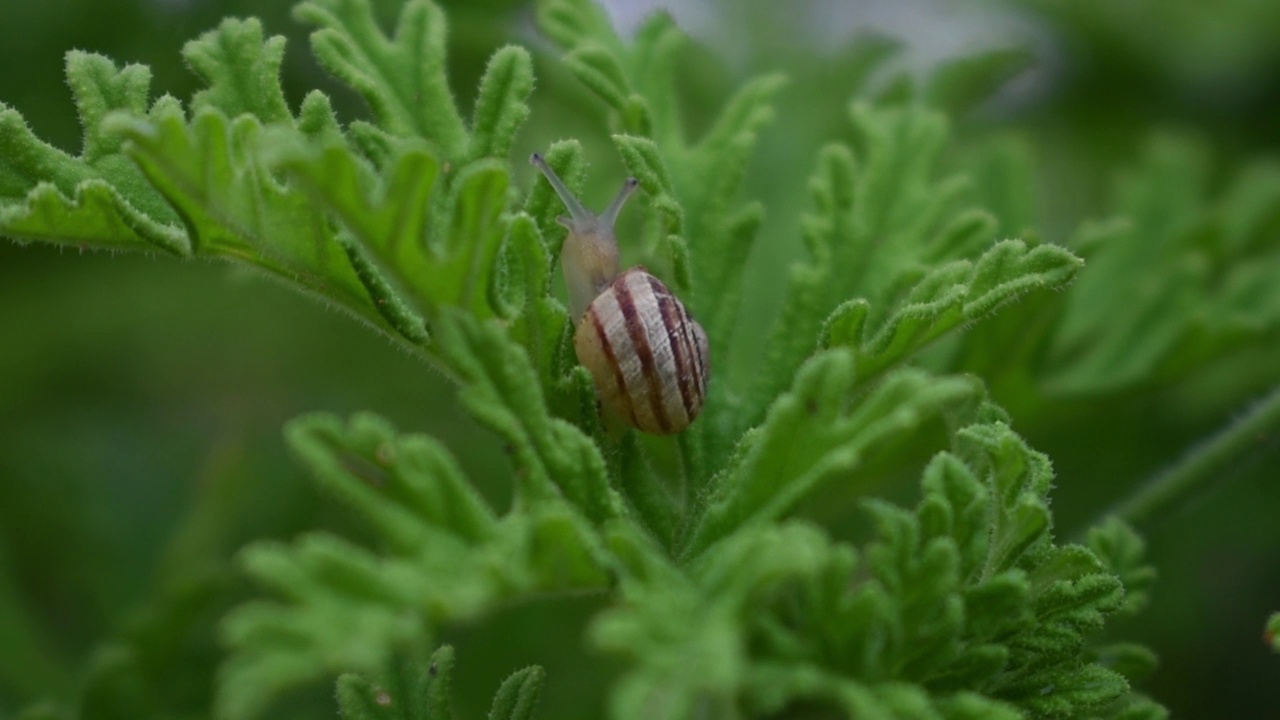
[997, 606]
[565, 157]
[359, 699]
[517, 698]
[1064, 694]
[400, 483]
[350, 45]
[277, 646]
[952, 296]
[96, 215]
[538, 321]
[241, 69]
[1122, 551]
[386, 213]
[570, 22]
[955, 505]
[1135, 662]
[886, 244]
[644, 160]
[99, 199]
[597, 68]
[437, 245]
[810, 436]
[501, 105]
[501, 390]
[234, 208]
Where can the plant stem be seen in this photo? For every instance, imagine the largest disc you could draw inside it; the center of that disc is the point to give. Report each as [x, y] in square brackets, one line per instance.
[1198, 468]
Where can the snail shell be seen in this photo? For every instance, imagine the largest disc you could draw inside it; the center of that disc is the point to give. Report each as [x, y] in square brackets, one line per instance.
[649, 358]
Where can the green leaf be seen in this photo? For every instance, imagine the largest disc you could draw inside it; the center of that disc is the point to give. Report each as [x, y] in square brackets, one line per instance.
[401, 76]
[539, 322]
[501, 105]
[416, 688]
[431, 689]
[1134, 662]
[501, 389]
[1122, 551]
[1178, 286]
[438, 246]
[212, 173]
[99, 199]
[1272, 634]
[1087, 688]
[445, 559]
[359, 699]
[242, 71]
[812, 435]
[951, 296]
[345, 612]
[692, 184]
[597, 68]
[94, 215]
[570, 22]
[888, 245]
[517, 698]
[401, 484]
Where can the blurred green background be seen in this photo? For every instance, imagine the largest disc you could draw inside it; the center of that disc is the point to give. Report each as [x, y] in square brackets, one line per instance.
[141, 399]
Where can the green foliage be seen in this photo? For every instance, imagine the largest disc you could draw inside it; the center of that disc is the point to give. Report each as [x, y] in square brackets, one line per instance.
[1206, 288]
[446, 556]
[891, 232]
[420, 691]
[720, 597]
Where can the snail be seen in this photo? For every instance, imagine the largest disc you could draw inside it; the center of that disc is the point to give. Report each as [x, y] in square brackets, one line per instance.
[647, 355]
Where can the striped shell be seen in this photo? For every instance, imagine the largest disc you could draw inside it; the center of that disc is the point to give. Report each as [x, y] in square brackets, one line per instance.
[648, 357]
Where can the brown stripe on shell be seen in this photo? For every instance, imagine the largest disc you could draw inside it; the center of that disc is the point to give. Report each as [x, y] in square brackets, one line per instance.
[611, 360]
[697, 352]
[673, 322]
[664, 353]
[638, 331]
[701, 351]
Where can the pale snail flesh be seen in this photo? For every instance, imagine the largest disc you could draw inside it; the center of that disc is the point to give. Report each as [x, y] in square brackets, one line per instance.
[647, 355]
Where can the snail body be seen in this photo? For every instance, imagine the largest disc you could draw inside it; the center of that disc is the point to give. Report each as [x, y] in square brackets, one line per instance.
[648, 357]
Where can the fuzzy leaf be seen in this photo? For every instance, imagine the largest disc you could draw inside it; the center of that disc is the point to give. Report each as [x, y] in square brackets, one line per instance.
[1134, 662]
[401, 484]
[811, 436]
[344, 608]
[359, 699]
[517, 698]
[436, 249]
[951, 296]
[1122, 552]
[99, 199]
[501, 390]
[389, 219]
[598, 69]
[895, 238]
[242, 71]
[501, 105]
[234, 208]
[401, 76]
